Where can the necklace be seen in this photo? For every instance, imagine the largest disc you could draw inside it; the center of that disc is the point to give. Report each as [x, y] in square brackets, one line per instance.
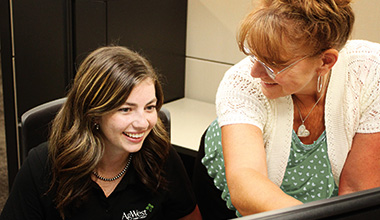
[117, 176]
[302, 130]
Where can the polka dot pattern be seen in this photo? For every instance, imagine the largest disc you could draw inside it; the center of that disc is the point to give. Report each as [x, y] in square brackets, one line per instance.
[214, 162]
[308, 176]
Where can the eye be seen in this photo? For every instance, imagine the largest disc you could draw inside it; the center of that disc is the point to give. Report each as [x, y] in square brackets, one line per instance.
[125, 109]
[151, 107]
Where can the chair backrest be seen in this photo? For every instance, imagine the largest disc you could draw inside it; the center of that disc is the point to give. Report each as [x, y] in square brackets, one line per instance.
[35, 124]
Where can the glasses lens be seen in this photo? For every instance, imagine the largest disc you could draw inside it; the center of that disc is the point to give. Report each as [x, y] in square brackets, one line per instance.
[270, 73]
[267, 69]
[253, 58]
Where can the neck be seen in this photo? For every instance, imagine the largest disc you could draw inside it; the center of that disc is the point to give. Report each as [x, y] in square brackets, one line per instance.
[112, 162]
[309, 115]
[307, 99]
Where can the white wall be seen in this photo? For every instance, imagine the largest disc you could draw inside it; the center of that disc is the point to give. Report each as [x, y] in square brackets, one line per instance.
[211, 40]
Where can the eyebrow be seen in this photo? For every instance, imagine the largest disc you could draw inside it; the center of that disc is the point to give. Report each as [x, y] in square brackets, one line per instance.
[134, 104]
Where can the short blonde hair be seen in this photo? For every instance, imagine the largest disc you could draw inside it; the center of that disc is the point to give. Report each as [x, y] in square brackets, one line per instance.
[280, 29]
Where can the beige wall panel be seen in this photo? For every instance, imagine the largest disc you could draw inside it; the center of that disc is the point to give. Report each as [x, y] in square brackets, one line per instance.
[211, 28]
[202, 79]
[367, 24]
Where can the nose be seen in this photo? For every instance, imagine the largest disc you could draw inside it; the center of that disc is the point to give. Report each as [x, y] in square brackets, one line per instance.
[140, 121]
[258, 70]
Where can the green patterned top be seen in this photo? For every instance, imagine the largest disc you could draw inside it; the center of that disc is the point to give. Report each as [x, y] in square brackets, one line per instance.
[214, 162]
[299, 181]
[308, 176]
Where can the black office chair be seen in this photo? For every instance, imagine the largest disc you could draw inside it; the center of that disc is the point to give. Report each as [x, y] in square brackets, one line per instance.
[35, 124]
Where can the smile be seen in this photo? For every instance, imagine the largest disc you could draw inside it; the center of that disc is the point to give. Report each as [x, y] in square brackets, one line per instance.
[268, 83]
[134, 135]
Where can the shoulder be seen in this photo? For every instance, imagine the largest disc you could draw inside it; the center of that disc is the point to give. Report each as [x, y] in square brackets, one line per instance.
[358, 63]
[36, 166]
[38, 156]
[361, 46]
[237, 83]
[239, 98]
[173, 158]
[180, 199]
[243, 66]
[239, 74]
[360, 51]
[174, 168]
[29, 187]
[355, 80]
[36, 169]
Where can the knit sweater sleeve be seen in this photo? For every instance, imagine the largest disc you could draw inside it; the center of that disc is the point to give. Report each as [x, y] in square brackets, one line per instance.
[239, 98]
[368, 72]
[353, 99]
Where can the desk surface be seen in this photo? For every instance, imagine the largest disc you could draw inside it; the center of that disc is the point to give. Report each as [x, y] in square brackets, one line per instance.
[189, 119]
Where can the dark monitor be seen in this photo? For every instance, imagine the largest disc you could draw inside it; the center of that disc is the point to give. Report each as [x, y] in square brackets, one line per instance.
[359, 205]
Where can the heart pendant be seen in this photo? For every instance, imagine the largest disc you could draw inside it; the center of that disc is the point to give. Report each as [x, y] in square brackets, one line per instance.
[302, 131]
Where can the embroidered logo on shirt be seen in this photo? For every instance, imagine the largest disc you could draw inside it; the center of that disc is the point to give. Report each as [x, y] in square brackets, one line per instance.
[149, 207]
[136, 214]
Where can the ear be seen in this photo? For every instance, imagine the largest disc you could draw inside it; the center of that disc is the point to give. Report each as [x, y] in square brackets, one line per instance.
[329, 58]
[95, 120]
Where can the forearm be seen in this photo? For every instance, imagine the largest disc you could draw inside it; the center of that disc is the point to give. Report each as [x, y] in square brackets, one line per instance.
[252, 192]
[246, 171]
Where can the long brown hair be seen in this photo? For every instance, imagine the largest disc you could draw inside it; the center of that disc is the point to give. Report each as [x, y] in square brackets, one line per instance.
[281, 29]
[102, 84]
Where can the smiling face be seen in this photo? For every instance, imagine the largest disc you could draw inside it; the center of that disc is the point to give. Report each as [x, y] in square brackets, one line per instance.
[125, 129]
[298, 79]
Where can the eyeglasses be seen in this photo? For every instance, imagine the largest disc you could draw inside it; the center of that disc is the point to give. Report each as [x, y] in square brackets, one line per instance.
[270, 71]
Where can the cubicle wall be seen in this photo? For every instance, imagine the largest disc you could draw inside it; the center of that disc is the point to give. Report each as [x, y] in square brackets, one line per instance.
[211, 44]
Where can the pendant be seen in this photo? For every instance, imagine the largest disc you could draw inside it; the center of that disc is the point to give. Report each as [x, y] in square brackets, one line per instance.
[302, 131]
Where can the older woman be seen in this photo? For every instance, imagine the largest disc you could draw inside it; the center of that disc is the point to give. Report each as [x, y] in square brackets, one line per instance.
[298, 118]
[108, 156]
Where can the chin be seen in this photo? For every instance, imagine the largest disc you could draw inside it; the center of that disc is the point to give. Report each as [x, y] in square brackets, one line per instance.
[133, 148]
[271, 96]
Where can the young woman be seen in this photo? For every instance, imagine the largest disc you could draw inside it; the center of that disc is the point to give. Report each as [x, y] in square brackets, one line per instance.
[298, 119]
[108, 156]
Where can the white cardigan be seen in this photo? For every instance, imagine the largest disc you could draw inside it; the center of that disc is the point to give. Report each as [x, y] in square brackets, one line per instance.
[352, 106]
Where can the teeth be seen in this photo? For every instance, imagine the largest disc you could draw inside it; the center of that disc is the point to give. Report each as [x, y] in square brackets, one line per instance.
[270, 83]
[134, 135]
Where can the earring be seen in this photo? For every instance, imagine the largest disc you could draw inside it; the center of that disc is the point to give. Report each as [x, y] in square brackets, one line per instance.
[319, 83]
[97, 126]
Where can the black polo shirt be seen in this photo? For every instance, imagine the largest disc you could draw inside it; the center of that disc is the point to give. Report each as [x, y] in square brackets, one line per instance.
[130, 199]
